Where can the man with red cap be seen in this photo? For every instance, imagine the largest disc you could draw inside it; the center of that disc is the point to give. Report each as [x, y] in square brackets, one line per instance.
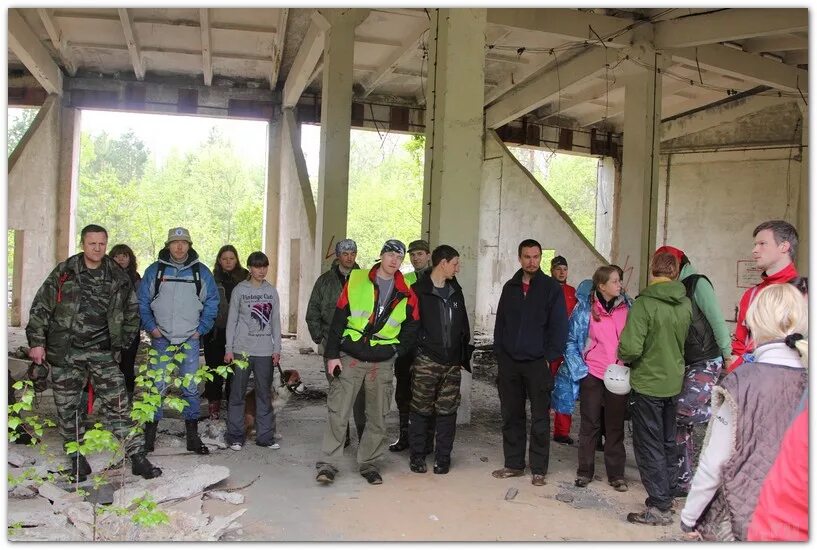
[774, 251]
[562, 421]
[706, 350]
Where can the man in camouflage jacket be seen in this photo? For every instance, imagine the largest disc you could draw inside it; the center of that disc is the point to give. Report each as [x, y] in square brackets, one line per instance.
[82, 317]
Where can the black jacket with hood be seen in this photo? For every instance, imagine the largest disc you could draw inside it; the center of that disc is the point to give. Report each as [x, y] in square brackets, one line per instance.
[444, 330]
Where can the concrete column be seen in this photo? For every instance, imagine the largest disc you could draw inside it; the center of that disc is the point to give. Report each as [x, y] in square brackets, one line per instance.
[802, 203]
[272, 198]
[454, 146]
[605, 205]
[336, 118]
[67, 183]
[637, 211]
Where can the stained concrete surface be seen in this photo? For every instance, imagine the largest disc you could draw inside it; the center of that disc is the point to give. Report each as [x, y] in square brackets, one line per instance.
[284, 503]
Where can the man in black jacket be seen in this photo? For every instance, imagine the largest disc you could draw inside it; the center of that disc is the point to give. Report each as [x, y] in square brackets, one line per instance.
[442, 342]
[530, 331]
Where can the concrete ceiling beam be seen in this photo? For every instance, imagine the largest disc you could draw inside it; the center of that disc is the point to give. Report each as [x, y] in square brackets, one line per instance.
[568, 23]
[775, 44]
[717, 115]
[796, 58]
[133, 46]
[305, 60]
[727, 25]
[28, 48]
[278, 46]
[667, 90]
[177, 51]
[60, 44]
[206, 58]
[395, 59]
[540, 89]
[754, 68]
[65, 14]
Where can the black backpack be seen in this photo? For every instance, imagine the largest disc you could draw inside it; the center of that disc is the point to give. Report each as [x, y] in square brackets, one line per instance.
[700, 342]
[160, 273]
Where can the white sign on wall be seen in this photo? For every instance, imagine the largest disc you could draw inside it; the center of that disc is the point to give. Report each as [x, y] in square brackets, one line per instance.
[748, 273]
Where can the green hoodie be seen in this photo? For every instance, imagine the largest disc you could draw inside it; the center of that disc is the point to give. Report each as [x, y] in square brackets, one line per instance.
[652, 341]
[708, 304]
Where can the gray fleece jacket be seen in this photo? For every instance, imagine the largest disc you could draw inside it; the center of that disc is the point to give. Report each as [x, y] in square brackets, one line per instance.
[254, 321]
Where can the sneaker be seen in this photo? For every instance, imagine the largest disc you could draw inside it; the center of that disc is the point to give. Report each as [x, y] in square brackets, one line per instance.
[650, 516]
[372, 476]
[236, 446]
[274, 446]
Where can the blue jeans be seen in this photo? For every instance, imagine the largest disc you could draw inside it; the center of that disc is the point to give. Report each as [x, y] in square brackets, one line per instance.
[189, 365]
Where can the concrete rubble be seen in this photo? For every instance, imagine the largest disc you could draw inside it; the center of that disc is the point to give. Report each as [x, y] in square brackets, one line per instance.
[232, 498]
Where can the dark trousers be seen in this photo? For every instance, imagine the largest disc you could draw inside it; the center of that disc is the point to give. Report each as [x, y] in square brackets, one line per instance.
[517, 382]
[126, 364]
[402, 376]
[654, 445]
[597, 403]
[214, 343]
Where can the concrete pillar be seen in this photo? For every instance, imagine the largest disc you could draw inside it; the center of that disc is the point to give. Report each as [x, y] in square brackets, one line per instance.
[336, 118]
[605, 205]
[67, 183]
[637, 211]
[272, 197]
[802, 203]
[454, 146]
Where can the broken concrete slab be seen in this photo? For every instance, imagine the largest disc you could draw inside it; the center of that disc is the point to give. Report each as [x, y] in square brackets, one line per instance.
[511, 494]
[23, 491]
[80, 514]
[218, 443]
[219, 525]
[56, 494]
[172, 485]
[68, 533]
[19, 459]
[226, 496]
[33, 512]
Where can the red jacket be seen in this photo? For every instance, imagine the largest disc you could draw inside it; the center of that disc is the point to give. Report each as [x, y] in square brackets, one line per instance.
[570, 301]
[742, 341]
[782, 508]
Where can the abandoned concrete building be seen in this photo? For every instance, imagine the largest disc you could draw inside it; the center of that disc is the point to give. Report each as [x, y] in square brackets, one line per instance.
[698, 118]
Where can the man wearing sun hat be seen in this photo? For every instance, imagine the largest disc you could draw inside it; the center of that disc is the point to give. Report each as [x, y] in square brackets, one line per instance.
[178, 302]
[375, 320]
[321, 308]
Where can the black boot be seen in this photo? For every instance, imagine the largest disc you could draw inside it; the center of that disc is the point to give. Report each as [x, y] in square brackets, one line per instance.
[141, 466]
[446, 429]
[150, 435]
[79, 468]
[418, 426]
[193, 441]
[402, 442]
[432, 420]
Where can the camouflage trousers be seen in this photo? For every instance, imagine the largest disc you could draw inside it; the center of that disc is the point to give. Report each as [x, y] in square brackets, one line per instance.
[68, 381]
[693, 412]
[435, 388]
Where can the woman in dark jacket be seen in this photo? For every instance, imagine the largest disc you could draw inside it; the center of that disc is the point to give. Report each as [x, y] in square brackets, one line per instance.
[124, 256]
[228, 273]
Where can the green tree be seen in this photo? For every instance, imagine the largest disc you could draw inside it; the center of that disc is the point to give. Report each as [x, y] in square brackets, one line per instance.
[18, 126]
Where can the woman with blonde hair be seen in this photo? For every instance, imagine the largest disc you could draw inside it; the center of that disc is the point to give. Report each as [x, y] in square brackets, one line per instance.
[751, 411]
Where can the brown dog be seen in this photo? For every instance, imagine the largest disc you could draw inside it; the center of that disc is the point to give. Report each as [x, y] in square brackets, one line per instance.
[290, 378]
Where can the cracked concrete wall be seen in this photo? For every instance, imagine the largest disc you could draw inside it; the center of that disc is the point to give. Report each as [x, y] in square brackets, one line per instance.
[513, 207]
[33, 185]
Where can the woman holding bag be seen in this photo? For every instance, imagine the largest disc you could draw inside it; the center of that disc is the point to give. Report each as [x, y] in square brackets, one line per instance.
[593, 338]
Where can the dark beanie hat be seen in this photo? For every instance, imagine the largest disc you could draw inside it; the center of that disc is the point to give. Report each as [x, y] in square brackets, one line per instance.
[557, 261]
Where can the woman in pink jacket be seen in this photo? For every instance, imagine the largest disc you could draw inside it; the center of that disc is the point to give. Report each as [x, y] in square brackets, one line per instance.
[595, 328]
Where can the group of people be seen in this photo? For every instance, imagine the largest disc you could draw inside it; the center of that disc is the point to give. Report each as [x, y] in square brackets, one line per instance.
[554, 345]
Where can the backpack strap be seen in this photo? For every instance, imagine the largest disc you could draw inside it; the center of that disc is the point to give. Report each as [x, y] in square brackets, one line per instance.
[692, 281]
[160, 272]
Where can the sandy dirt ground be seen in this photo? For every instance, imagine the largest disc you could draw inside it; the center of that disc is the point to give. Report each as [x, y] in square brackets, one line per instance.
[286, 504]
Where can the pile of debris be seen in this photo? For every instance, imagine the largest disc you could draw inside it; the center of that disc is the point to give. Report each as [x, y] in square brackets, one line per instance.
[56, 511]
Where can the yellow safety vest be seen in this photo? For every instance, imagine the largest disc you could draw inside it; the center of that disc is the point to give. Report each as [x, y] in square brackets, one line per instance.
[360, 291]
[410, 277]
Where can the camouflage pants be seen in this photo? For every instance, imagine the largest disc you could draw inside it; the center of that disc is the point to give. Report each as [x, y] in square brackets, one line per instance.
[68, 380]
[693, 412]
[435, 388]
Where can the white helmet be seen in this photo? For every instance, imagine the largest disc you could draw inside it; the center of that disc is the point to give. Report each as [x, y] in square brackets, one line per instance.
[617, 379]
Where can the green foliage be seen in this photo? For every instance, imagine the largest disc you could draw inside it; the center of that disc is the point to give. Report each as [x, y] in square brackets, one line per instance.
[571, 180]
[210, 191]
[18, 125]
[147, 514]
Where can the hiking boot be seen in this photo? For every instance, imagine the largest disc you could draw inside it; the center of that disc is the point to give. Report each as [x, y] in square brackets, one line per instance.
[325, 475]
[150, 436]
[650, 516]
[619, 485]
[538, 480]
[214, 409]
[141, 466]
[402, 442]
[373, 477]
[418, 464]
[79, 468]
[503, 473]
[565, 439]
[442, 467]
[582, 481]
[193, 440]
